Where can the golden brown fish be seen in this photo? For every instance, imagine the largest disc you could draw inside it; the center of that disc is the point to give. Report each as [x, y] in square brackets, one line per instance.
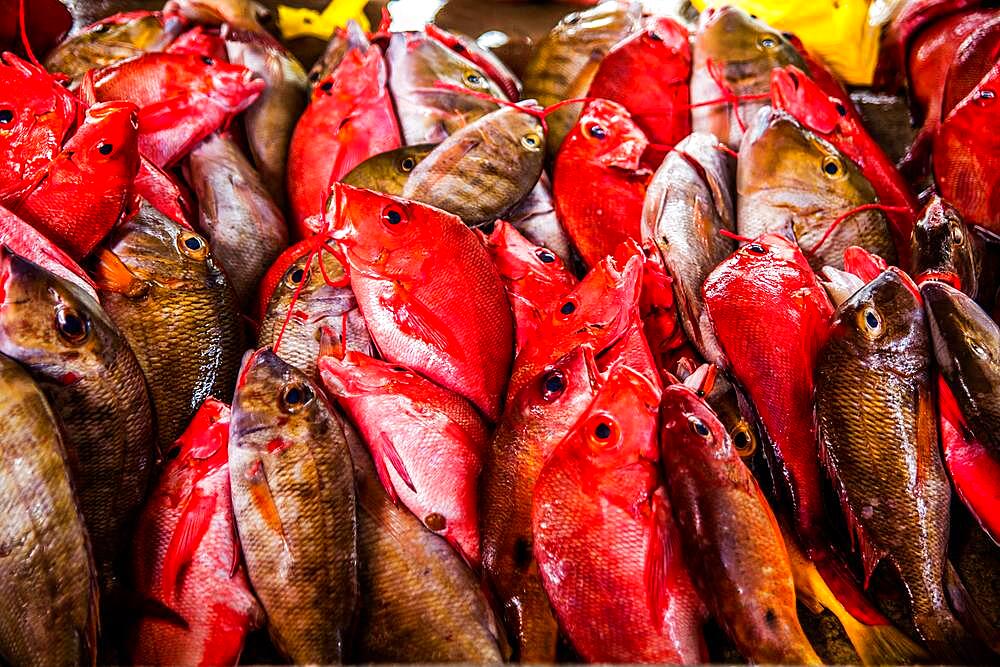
[388, 172]
[945, 248]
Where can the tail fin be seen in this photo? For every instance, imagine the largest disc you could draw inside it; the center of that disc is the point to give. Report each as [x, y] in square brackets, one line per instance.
[875, 639]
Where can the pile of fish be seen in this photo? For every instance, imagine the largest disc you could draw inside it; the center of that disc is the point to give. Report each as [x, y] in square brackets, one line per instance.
[649, 354]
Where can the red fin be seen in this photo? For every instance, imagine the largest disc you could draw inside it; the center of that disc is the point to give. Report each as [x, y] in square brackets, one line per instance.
[165, 114]
[264, 501]
[658, 556]
[417, 320]
[388, 450]
[184, 542]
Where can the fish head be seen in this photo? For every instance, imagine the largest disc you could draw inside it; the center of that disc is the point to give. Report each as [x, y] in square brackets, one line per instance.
[606, 134]
[388, 172]
[690, 429]
[516, 257]
[599, 24]
[563, 387]
[243, 14]
[423, 61]
[966, 338]
[944, 247]
[769, 254]
[359, 374]
[297, 269]
[275, 406]
[106, 146]
[112, 39]
[735, 39]
[792, 90]
[152, 250]
[233, 86]
[204, 444]
[50, 325]
[661, 43]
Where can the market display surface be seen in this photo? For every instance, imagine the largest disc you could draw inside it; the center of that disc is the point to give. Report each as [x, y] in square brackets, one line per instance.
[672, 339]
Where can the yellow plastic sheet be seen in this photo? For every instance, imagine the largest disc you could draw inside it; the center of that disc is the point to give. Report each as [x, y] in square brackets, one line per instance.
[298, 22]
[838, 31]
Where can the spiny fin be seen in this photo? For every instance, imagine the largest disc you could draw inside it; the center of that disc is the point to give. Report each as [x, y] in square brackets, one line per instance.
[163, 115]
[192, 526]
[384, 451]
[418, 321]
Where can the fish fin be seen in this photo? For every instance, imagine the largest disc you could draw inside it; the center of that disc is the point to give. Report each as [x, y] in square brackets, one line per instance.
[194, 522]
[260, 492]
[163, 115]
[385, 451]
[330, 344]
[112, 275]
[418, 321]
[150, 608]
[659, 553]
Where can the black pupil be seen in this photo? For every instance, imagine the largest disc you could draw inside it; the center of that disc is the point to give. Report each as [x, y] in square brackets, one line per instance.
[314, 76]
[756, 248]
[6, 115]
[192, 243]
[653, 36]
[105, 149]
[987, 94]
[104, 27]
[207, 60]
[399, 369]
[841, 110]
[567, 308]
[294, 396]
[72, 325]
[831, 168]
[393, 217]
[872, 320]
[297, 276]
[742, 440]
[597, 132]
[546, 256]
[408, 164]
[327, 85]
[554, 383]
[603, 431]
[700, 428]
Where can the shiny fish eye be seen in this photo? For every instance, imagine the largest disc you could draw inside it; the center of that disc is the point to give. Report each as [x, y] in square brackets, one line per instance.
[407, 164]
[6, 116]
[603, 432]
[399, 369]
[841, 110]
[957, 235]
[104, 148]
[474, 79]
[208, 61]
[102, 28]
[294, 277]
[744, 441]
[652, 34]
[756, 249]
[699, 427]
[832, 166]
[192, 245]
[327, 86]
[553, 385]
[545, 255]
[597, 132]
[568, 308]
[393, 215]
[986, 94]
[531, 141]
[73, 327]
[295, 396]
[768, 42]
[870, 322]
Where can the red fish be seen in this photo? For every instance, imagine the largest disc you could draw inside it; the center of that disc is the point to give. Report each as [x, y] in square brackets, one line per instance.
[25, 241]
[182, 98]
[648, 73]
[200, 41]
[598, 312]
[427, 442]
[967, 155]
[37, 115]
[535, 278]
[349, 119]
[792, 90]
[87, 188]
[187, 557]
[863, 264]
[428, 291]
[45, 21]
[600, 505]
[601, 155]
[164, 192]
[660, 320]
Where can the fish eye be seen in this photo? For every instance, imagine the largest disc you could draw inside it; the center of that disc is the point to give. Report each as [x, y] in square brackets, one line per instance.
[192, 245]
[474, 79]
[294, 276]
[531, 141]
[73, 327]
[399, 369]
[699, 427]
[597, 132]
[101, 28]
[207, 60]
[393, 215]
[6, 116]
[553, 385]
[567, 308]
[104, 148]
[743, 440]
[870, 322]
[986, 95]
[832, 166]
[756, 249]
[545, 255]
[314, 76]
[768, 42]
[603, 432]
[841, 110]
[407, 164]
[295, 396]
[653, 35]
[327, 86]
[957, 235]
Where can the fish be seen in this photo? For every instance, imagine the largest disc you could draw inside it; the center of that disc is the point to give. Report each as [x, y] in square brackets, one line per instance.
[944, 248]
[734, 54]
[201, 41]
[187, 557]
[729, 535]
[388, 172]
[966, 344]
[601, 154]
[770, 280]
[113, 39]
[182, 98]
[648, 73]
[973, 59]
[536, 420]
[789, 180]
[660, 318]
[829, 117]
[484, 169]
[429, 293]
[324, 301]
[482, 57]
[965, 155]
[428, 113]
[534, 277]
[425, 602]
[598, 312]
[87, 188]
[567, 58]
[349, 119]
[237, 213]
[352, 36]
[241, 14]
[599, 503]
[165, 192]
[49, 579]
[879, 443]
[535, 217]
[688, 203]
[161, 286]
[427, 442]
[292, 483]
[271, 119]
[95, 385]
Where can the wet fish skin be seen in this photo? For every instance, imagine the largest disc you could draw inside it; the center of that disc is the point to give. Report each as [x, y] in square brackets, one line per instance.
[293, 495]
[49, 583]
[388, 172]
[944, 247]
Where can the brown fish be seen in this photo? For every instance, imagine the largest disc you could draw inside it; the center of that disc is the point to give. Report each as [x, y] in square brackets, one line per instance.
[483, 170]
[535, 421]
[293, 494]
[96, 387]
[238, 214]
[944, 248]
[535, 217]
[426, 112]
[790, 181]
[388, 172]
[423, 603]
[47, 576]
[171, 301]
[739, 50]
[878, 439]
[566, 60]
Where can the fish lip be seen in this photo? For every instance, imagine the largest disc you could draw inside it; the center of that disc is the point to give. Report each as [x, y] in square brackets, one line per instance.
[907, 282]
